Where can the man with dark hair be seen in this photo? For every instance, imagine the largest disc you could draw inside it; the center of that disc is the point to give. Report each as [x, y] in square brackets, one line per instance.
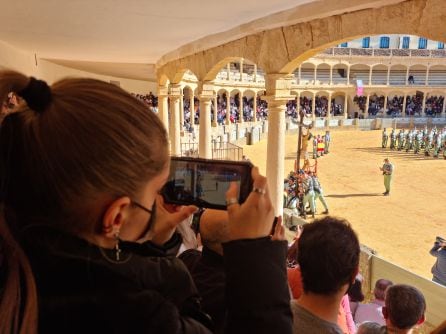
[405, 307]
[373, 310]
[328, 257]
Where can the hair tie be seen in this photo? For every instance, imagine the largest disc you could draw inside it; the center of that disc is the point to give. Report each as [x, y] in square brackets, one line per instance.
[37, 95]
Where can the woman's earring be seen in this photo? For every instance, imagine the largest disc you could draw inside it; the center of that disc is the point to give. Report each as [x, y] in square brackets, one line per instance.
[117, 249]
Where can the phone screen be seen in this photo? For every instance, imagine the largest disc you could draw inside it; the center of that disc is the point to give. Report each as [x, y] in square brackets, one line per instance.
[204, 182]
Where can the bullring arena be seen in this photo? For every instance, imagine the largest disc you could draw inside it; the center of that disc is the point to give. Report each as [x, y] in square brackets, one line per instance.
[233, 79]
[402, 227]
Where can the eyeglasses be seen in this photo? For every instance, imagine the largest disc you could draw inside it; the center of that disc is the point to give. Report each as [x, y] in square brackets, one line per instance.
[142, 207]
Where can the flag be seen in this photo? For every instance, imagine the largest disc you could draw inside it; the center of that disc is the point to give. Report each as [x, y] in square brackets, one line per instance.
[359, 88]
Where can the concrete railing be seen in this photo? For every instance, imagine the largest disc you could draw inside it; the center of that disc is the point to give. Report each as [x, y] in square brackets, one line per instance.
[434, 293]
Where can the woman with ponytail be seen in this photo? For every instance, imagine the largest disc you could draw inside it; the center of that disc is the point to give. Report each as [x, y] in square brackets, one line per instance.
[81, 165]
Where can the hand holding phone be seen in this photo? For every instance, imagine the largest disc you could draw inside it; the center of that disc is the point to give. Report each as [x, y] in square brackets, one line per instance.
[203, 182]
[253, 218]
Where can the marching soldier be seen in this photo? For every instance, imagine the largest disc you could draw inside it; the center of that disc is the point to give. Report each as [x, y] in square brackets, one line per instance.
[418, 141]
[427, 145]
[327, 140]
[409, 141]
[437, 145]
[401, 136]
[308, 187]
[318, 193]
[392, 139]
[385, 138]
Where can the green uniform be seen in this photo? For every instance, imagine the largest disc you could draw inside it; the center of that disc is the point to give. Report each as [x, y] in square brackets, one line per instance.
[384, 139]
[387, 172]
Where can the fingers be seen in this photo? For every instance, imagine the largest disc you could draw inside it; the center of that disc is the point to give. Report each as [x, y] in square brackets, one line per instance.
[232, 195]
[279, 230]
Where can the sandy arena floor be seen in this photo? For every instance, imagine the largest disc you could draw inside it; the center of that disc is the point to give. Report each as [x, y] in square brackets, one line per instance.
[401, 227]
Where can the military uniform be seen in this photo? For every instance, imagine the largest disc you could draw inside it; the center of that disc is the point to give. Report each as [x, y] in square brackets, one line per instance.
[392, 140]
[387, 170]
[318, 193]
[327, 140]
[401, 140]
[308, 186]
[385, 138]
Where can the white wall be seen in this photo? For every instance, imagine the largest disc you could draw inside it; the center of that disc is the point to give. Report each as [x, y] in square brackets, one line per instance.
[12, 58]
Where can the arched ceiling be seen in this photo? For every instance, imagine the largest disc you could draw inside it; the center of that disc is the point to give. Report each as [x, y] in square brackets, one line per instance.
[126, 38]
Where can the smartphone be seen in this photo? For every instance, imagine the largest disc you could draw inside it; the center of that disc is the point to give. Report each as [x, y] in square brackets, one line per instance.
[204, 182]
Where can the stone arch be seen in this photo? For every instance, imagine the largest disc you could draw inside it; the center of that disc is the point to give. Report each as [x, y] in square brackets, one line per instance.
[281, 50]
[214, 70]
[184, 74]
[323, 73]
[437, 75]
[163, 80]
[379, 74]
[398, 74]
[360, 71]
[418, 71]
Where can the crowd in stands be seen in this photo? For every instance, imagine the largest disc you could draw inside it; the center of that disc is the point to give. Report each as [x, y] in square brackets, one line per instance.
[149, 99]
[321, 105]
[414, 105]
[434, 105]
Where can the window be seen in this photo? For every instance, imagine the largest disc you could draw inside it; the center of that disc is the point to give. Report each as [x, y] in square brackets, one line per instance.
[440, 45]
[344, 45]
[422, 43]
[406, 42]
[384, 42]
[366, 42]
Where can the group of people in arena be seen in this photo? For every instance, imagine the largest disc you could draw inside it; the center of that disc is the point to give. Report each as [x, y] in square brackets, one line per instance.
[430, 141]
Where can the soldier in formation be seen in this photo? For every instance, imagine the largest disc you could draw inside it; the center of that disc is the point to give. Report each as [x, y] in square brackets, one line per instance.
[432, 142]
[385, 138]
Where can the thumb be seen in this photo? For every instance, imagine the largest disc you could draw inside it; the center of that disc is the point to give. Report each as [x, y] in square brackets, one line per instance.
[232, 195]
[184, 213]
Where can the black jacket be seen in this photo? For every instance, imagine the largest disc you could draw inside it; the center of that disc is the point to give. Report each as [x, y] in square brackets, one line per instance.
[82, 289]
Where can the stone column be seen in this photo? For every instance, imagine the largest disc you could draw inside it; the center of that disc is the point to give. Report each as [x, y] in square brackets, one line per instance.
[403, 112]
[300, 74]
[228, 108]
[385, 105]
[345, 106]
[315, 74]
[205, 150]
[427, 77]
[254, 107]
[313, 107]
[214, 118]
[278, 87]
[241, 120]
[348, 75]
[255, 72]
[367, 102]
[275, 156]
[388, 76]
[424, 103]
[192, 108]
[163, 111]
[181, 112]
[175, 143]
[370, 75]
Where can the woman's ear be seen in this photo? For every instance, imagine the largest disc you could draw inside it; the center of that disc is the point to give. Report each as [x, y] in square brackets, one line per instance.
[115, 216]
